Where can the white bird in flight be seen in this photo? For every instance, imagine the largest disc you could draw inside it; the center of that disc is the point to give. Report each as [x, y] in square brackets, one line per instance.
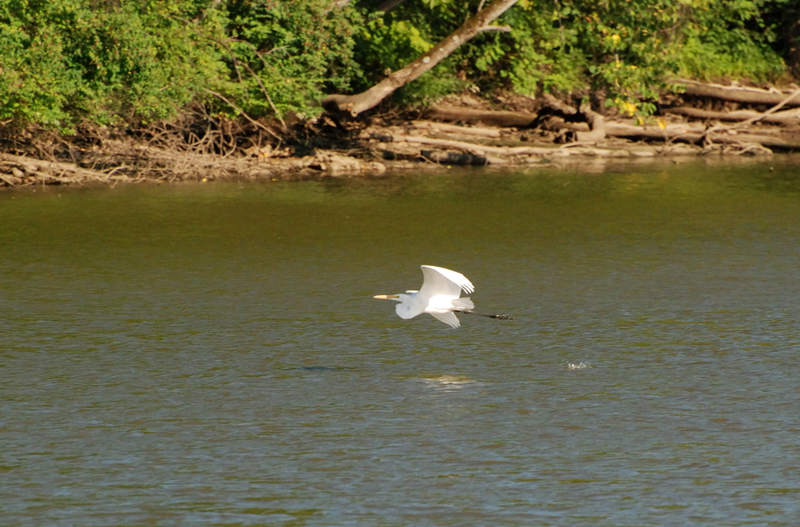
[440, 295]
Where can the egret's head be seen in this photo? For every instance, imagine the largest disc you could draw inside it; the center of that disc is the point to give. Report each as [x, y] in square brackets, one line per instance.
[387, 297]
[397, 298]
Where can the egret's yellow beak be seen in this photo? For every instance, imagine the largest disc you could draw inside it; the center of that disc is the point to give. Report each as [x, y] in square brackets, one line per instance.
[385, 297]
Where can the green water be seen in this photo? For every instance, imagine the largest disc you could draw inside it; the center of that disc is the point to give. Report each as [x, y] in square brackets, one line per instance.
[212, 355]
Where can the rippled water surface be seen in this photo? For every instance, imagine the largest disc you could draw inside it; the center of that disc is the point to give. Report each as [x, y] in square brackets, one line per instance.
[212, 354]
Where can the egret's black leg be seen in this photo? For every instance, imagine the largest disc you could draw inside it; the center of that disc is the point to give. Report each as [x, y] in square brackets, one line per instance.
[499, 317]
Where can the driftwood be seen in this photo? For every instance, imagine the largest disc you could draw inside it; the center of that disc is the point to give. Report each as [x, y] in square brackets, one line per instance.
[356, 104]
[740, 94]
[740, 132]
[393, 144]
[454, 129]
[21, 170]
[451, 144]
[597, 125]
[472, 148]
[448, 152]
[487, 117]
[154, 164]
[688, 132]
[787, 117]
[34, 166]
[769, 141]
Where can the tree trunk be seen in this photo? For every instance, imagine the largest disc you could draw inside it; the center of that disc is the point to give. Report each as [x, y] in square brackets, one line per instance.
[355, 104]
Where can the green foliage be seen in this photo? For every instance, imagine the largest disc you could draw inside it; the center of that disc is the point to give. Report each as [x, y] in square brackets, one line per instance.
[736, 46]
[392, 45]
[289, 52]
[626, 48]
[63, 62]
[543, 54]
[631, 48]
[387, 43]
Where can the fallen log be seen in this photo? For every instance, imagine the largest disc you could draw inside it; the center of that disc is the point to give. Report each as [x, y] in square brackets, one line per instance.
[9, 179]
[740, 94]
[503, 155]
[769, 141]
[669, 132]
[472, 147]
[696, 133]
[499, 118]
[455, 129]
[787, 117]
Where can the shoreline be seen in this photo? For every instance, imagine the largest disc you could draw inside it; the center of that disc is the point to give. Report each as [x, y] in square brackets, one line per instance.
[512, 132]
[25, 171]
[312, 168]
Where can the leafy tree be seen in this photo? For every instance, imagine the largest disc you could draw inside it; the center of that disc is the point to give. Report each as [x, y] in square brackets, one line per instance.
[63, 62]
[289, 52]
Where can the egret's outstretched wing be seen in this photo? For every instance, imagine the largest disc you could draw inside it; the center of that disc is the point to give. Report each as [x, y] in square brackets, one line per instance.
[464, 303]
[409, 309]
[448, 318]
[441, 281]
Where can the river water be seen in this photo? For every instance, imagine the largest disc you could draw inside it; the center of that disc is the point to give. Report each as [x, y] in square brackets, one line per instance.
[212, 354]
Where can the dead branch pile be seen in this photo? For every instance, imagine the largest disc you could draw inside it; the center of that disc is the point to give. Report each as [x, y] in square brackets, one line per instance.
[750, 121]
[197, 150]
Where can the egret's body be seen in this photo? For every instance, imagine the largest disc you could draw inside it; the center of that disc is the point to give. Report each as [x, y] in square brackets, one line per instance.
[440, 295]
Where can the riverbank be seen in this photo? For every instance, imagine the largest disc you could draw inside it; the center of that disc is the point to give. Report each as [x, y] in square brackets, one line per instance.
[505, 131]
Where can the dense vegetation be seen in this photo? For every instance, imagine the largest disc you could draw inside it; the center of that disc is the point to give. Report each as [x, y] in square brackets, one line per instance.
[67, 62]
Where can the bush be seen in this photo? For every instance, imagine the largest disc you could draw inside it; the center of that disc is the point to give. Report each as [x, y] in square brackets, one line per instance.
[628, 49]
[64, 62]
[289, 52]
[632, 49]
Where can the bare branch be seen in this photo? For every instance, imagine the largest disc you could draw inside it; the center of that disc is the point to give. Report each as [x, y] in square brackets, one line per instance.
[504, 29]
[244, 114]
[355, 104]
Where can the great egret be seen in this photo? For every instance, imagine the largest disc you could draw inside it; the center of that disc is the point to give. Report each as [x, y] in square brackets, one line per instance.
[439, 295]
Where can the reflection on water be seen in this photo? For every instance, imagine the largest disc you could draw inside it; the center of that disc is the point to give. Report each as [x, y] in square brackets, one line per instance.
[578, 365]
[212, 355]
[448, 382]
